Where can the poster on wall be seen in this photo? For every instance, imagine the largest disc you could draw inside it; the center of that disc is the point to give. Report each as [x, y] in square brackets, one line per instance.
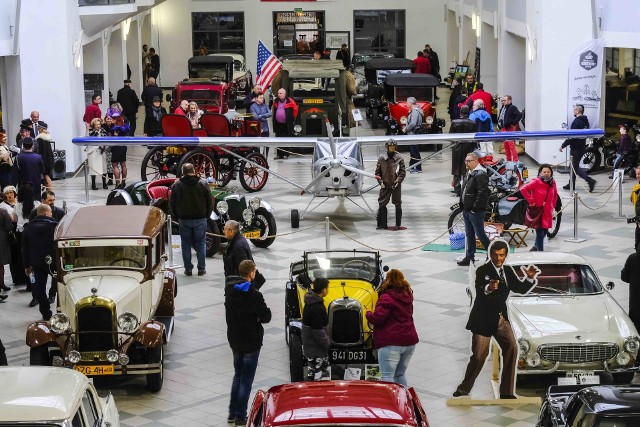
[585, 81]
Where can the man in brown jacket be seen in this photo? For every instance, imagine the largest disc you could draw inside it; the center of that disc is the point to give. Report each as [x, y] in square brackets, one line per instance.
[390, 169]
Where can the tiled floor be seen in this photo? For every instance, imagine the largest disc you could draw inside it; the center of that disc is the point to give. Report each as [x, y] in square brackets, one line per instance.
[198, 360]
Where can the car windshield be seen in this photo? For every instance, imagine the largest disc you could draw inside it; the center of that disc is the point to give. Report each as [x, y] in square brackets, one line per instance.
[201, 96]
[310, 88]
[92, 257]
[421, 94]
[382, 74]
[208, 72]
[563, 279]
[342, 265]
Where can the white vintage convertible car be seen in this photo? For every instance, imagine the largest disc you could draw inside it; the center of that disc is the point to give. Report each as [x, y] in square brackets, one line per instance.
[569, 323]
[40, 396]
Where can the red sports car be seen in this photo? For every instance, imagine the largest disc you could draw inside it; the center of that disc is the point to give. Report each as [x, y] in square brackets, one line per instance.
[327, 403]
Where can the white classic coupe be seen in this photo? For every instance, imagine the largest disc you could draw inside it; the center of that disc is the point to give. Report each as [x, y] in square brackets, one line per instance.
[569, 323]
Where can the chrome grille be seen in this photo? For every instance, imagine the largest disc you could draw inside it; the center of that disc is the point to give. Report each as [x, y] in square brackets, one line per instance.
[345, 322]
[95, 324]
[568, 353]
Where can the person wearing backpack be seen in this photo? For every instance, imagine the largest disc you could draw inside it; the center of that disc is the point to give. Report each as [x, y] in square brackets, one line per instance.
[414, 123]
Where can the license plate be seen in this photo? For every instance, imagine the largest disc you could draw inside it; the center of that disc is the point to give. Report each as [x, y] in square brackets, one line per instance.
[580, 378]
[312, 101]
[349, 356]
[251, 234]
[95, 369]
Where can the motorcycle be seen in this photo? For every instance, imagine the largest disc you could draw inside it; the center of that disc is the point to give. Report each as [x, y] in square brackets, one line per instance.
[507, 175]
[606, 148]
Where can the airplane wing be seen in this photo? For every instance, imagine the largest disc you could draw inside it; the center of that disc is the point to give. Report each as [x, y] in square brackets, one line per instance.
[243, 141]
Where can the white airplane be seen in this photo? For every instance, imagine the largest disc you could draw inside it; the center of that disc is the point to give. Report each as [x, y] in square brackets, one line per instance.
[337, 168]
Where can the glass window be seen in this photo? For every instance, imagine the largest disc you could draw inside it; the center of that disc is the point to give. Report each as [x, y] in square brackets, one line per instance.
[219, 32]
[90, 410]
[380, 31]
[615, 59]
[92, 257]
[563, 279]
[636, 62]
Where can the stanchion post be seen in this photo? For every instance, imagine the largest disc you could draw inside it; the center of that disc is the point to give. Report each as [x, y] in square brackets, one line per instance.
[575, 238]
[326, 233]
[86, 183]
[64, 206]
[620, 173]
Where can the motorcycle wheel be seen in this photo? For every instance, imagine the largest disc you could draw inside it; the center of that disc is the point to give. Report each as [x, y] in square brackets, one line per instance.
[557, 219]
[590, 160]
[608, 161]
[252, 178]
[455, 224]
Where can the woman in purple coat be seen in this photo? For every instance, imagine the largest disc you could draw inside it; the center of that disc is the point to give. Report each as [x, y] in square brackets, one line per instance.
[394, 333]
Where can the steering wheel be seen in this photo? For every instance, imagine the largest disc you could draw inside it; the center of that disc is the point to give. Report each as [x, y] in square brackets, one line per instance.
[136, 262]
[363, 266]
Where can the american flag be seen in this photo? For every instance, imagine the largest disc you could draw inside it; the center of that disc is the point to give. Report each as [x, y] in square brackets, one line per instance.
[268, 66]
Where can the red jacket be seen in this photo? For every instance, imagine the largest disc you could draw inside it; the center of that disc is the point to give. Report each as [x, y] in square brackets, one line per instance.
[535, 192]
[393, 320]
[179, 111]
[423, 65]
[92, 112]
[481, 94]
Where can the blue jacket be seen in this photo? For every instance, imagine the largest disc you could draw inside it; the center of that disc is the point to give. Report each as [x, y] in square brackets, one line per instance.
[28, 166]
[483, 119]
[37, 241]
[262, 113]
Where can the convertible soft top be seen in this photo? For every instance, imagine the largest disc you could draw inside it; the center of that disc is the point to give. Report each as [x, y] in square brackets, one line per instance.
[123, 222]
[208, 60]
[389, 64]
[411, 80]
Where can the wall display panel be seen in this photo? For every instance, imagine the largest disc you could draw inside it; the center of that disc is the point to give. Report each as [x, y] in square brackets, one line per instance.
[218, 32]
[380, 31]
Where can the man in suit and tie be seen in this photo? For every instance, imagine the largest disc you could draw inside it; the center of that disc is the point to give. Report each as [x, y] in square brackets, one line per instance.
[489, 318]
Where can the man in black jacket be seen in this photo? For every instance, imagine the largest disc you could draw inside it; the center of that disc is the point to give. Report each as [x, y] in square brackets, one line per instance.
[489, 318]
[245, 312]
[37, 243]
[578, 147]
[460, 149]
[150, 91]
[237, 249]
[508, 120]
[473, 199]
[191, 203]
[129, 100]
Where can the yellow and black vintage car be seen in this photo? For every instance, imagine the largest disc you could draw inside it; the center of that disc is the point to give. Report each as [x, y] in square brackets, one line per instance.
[354, 278]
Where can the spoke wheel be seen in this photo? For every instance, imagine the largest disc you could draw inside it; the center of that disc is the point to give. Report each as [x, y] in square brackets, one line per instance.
[212, 242]
[224, 167]
[267, 223]
[590, 160]
[157, 164]
[253, 178]
[202, 161]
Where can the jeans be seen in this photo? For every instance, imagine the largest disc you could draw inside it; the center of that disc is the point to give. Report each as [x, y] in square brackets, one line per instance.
[192, 235]
[415, 157]
[540, 235]
[474, 226]
[394, 360]
[245, 365]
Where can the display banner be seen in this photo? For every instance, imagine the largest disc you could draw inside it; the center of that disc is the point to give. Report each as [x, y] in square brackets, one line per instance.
[585, 81]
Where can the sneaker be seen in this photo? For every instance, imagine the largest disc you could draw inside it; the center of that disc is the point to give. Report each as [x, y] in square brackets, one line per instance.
[34, 302]
[188, 273]
[465, 262]
[459, 393]
[533, 249]
[592, 185]
[202, 272]
[231, 419]
[241, 422]
[381, 227]
[413, 171]
[419, 171]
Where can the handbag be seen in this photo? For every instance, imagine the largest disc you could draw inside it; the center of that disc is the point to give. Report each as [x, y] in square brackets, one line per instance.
[533, 216]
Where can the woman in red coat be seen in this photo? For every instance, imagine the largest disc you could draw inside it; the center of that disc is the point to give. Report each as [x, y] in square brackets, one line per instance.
[542, 191]
[394, 334]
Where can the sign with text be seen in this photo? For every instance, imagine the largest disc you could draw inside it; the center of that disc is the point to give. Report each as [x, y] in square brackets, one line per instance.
[585, 81]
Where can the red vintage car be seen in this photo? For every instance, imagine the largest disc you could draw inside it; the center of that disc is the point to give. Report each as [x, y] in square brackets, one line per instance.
[327, 403]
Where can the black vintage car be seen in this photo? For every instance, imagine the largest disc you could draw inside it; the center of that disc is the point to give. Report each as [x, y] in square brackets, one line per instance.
[358, 63]
[597, 406]
[376, 72]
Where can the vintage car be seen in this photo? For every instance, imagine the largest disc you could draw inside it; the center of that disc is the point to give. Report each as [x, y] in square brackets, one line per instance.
[340, 403]
[115, 295]
[358, 63]
[211, 84]
[255, 215]
[354, 277]
[595, 406]
[375, 73]
[399, 87]
[45, 396]
[320, 90]
[569, 324]
[242, 78]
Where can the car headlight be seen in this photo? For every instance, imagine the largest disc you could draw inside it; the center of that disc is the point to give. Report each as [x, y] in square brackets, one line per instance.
[638, 138]
[254, 202]
[403, 120]
[113, 355]
[247, 215]
[623, 358]
[223, 207]
[429, 120]
[60, 323]
[297, 128]
[533, 359]
[524, 345]
[74, 356]
[128, 322]
[632, 344]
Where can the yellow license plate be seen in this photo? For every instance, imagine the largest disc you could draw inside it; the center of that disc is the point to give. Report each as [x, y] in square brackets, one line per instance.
[525, 173]
[312, 101]
[95, 369]
[251, 234]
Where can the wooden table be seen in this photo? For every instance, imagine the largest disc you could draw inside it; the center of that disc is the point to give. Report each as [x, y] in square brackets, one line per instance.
[516, 236]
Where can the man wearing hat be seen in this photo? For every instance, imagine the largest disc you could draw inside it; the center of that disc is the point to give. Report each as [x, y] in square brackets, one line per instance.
[391, 172]
[28, 166]
[129, 100]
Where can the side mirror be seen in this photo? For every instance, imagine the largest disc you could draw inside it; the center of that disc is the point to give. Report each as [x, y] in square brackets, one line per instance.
[610, 286]
[48, 259]
[168, 98]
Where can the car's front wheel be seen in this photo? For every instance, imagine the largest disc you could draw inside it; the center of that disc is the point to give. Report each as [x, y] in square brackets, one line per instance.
[154, 381]
[212, 242]
[267, 224]
[296, 359]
